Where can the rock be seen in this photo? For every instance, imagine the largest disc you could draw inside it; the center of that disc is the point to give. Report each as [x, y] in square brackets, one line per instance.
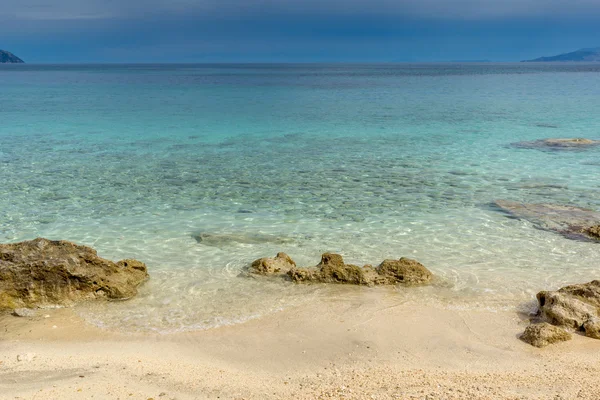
[280, 264]
[43, 272]
[26, 357]
[586, 292]
[543, 334]
[574, 307]
[405, 271]
[304, 275]
[333, 269]
[592, 327]
[7, 57]
[593, 232]
[557, 144]
[229, 239]
[24, 312]
[564, 310]
[571, 222]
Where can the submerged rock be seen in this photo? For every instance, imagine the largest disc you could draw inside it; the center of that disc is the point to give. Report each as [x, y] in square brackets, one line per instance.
[571, 222]
[574, 307]
[228, 239]
[592, 232]
[333, 269]
[543, 334]
[557, 144]
[44, 272]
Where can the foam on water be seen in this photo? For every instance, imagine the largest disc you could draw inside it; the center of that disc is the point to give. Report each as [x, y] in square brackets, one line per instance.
[373, 162]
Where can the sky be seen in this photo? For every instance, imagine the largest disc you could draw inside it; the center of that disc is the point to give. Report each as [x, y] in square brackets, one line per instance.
[90, 31]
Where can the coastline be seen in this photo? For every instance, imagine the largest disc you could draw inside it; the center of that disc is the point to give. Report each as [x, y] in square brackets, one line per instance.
[361, 345]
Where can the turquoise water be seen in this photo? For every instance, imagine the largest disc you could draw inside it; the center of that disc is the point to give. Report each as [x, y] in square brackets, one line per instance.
[372, 161]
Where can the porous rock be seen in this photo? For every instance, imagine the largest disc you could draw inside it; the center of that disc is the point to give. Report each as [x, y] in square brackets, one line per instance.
[542, 334]
[44, 272]
[280, 264]
[592, 327]
[586, 292]
[573, 307]
[592, 231]
[333, 269]
[563, 310]
[405, 271]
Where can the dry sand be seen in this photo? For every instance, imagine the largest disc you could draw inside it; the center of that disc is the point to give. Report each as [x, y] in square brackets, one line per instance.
[361, 345]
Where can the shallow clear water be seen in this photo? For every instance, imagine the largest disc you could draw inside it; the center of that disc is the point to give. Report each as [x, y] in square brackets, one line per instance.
[372, 161]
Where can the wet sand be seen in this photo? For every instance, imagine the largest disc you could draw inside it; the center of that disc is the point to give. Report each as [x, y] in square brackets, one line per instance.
[361, 345]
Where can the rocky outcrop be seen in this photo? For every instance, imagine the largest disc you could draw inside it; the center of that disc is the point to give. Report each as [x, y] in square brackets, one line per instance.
[7, 57]
[543, 334]
[557, 144]
[574, 307]
[333, 269]
[281, 264]
[406, 271]
[44, 272]
[564, 310]
[569, 221]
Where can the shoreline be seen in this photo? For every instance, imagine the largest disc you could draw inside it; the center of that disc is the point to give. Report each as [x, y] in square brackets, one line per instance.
[358, 345]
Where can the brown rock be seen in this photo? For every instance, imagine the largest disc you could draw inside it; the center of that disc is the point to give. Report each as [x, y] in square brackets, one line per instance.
[592, 328]
[575, 307]
[405, 271]
[280, 264]
[564, 310]
[305, 275]
[45, 272]
[333, 269]
[586, 292]
[543, 334]
[593, 232]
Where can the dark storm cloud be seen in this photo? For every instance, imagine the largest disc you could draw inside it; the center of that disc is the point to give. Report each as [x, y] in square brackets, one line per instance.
[295, 30]
[135, 9]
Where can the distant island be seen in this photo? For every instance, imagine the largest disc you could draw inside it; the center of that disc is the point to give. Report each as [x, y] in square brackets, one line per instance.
[7, 57]
[589, 55]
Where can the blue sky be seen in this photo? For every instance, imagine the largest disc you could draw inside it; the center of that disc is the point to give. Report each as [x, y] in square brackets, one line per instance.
[56, 31]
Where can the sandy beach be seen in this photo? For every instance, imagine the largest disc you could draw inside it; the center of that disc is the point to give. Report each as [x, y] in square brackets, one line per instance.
[359, 344]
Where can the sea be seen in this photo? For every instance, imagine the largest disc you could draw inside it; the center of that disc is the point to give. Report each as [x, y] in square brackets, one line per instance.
[198, 169]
